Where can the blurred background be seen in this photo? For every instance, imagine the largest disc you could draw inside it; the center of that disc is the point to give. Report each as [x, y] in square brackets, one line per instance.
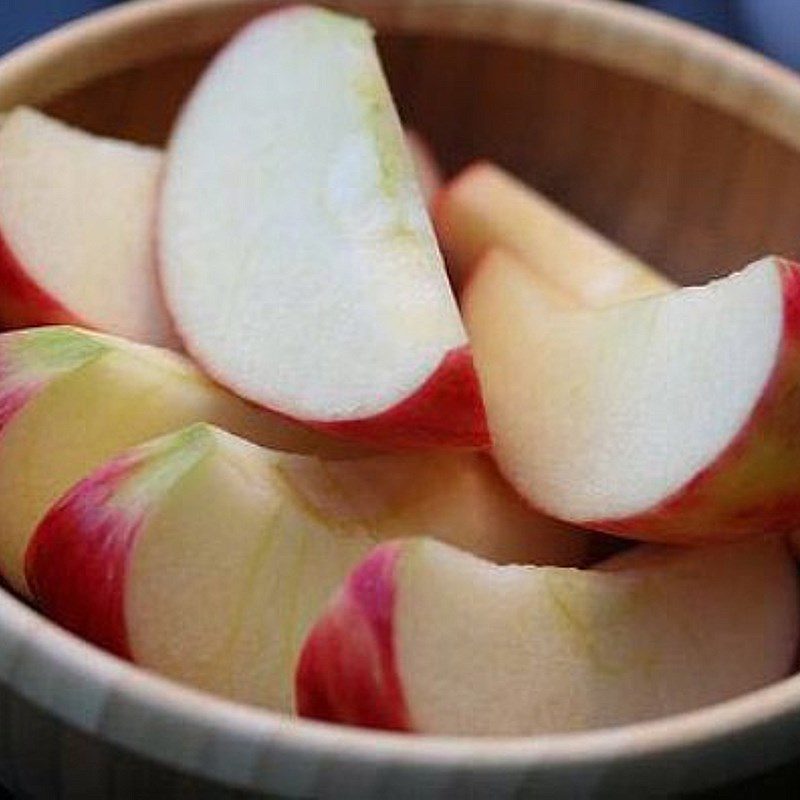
[767, 25]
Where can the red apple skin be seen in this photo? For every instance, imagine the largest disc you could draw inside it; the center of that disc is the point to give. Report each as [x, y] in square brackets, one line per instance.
[752, 485]
[12, 401]
[85, 539]
[356, 685]
[22, 302]
[446, 411]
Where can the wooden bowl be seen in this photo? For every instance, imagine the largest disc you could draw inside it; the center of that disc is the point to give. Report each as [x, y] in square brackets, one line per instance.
[682, 146]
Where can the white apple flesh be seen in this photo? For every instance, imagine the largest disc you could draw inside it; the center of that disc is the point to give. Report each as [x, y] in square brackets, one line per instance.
[70, 399]
[258, 540]
[296, 254]
[671, 418]
[425, 638]
[76, 230]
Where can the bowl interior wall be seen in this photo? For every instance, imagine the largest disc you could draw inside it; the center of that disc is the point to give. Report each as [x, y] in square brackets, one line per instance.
[692, 189]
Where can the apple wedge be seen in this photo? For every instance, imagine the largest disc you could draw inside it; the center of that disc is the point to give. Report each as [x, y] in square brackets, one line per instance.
[296, 254]
[76, 227]
[672, 418]
[71, 399]
[261, 539]
[484, 208]
[76, 219]
[423, 637]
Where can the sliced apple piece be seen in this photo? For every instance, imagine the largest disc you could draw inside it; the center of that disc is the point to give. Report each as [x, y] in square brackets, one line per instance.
[671, 418]
[70, 399]
[261, 539]
[484, 207]
[296, 254]
[455, 497]
[423, 637]
[203, 521]
[76, 219]
[76, 230]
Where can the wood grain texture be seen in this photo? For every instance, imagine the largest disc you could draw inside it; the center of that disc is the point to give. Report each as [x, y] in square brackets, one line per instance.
[684, 148]
[724, 190]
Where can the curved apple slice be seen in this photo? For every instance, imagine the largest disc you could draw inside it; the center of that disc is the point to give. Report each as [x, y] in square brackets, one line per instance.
[297, 257]
[261, 539]
[70, 399]
[76, 240]
[76, 227]
[673, 418]
[193, 557]
[484, 207]
[425, 638]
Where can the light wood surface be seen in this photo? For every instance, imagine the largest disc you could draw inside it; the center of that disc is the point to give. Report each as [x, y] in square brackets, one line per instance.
[682, 147]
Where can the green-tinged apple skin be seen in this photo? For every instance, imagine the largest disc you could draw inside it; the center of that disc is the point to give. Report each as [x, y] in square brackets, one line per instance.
[392, 364]
[263, 537]
[199, 516]
[578, 649]
[747, 489]
[70, 399]
[26, 368]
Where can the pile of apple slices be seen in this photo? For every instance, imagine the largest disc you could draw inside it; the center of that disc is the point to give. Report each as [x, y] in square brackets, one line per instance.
[244, 442]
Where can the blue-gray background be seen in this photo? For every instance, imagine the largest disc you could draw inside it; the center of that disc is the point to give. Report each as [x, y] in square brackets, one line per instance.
[772, 26]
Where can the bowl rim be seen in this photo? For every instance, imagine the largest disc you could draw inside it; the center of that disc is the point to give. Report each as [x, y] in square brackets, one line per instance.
[631, 39]
[34, 637]
[39, 659]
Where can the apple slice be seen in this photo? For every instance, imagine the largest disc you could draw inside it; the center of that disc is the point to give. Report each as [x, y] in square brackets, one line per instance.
[260, 538]
[76, 218]
[296, 255]
[425, 638]
[79, 247]
[484, 208]
[671, 418]
[70, 399]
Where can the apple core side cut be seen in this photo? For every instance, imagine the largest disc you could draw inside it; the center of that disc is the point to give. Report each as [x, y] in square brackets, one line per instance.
[682, 408]
[296, 254]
